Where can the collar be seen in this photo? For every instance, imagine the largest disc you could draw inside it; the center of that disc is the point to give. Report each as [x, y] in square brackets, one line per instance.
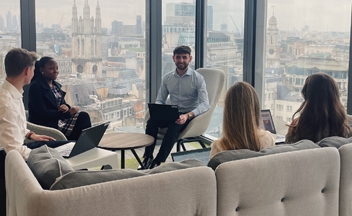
[45, 85]
[12, 89]
[188, 72]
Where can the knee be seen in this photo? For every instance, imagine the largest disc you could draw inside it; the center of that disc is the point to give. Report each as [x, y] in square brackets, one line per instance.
[84, 118]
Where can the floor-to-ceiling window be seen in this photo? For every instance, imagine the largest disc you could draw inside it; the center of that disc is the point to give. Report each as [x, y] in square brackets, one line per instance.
[10, 31]
[100, 50]
[224, 49]
[302, 38]
[178, 28]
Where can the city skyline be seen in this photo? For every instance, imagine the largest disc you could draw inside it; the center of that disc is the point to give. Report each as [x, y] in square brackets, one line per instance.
[319, 16]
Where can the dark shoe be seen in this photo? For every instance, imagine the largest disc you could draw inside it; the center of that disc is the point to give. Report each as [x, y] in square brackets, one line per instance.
[146, 163]
[154, 164]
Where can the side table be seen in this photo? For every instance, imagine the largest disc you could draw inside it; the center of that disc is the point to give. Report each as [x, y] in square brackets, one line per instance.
[125, 141]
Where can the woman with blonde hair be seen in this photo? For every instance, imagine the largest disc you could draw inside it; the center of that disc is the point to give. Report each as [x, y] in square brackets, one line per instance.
[241, 122]
[321, 114]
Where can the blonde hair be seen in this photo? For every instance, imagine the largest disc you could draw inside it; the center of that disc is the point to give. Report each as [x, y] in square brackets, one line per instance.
[241, 118]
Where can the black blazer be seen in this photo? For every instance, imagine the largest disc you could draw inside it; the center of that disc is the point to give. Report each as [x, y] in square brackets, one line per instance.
[42, 105]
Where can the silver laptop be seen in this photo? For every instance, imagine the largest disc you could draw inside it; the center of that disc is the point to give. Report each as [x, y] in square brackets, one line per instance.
[88, 139]
[201, 154]
[267, 123]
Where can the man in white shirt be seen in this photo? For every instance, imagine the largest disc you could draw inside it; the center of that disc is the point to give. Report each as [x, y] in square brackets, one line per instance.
[19, 66]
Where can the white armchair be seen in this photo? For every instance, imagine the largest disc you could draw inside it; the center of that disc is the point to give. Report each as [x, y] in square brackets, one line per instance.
[214, 79]
[38, 129]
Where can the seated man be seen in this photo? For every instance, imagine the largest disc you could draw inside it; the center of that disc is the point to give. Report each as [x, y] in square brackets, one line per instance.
[19, 66]
[187, 89]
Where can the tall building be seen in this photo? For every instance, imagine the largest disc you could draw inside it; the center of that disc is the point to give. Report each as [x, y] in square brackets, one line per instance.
[9, 21]
[86, 41]
[116, 27]
[223, 27]
[139, 25]
[272, 44]
[2, 24]
[210, 18]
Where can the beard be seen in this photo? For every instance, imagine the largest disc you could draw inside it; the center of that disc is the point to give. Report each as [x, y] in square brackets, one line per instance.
[182, 66]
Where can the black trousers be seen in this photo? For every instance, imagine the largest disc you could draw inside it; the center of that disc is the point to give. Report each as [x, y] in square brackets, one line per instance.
[32, 145]
[82, 122]
[171, 136]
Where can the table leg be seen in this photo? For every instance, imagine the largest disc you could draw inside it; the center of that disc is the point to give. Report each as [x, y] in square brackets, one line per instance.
[136, 156]
[122, 159]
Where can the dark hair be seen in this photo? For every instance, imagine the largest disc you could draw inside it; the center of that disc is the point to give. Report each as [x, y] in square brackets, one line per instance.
[17, 59]
[321, 114]
[40, 64]
[182, 50]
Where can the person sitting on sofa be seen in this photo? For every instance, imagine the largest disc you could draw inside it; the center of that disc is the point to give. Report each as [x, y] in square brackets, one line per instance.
[46, 103]
[19, 67]
[241, 122]
[321, 114]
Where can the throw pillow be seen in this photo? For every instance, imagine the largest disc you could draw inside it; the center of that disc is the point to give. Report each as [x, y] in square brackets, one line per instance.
[47, 164]
[232, 155]
[83, 178]
[334, 141]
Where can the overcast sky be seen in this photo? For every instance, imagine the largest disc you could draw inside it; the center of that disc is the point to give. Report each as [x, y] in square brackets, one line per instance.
[322, 15]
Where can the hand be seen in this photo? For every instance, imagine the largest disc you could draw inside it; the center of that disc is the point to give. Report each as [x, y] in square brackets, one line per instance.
[37, 137]
[73, 110]
[183, 118]
[63, 108]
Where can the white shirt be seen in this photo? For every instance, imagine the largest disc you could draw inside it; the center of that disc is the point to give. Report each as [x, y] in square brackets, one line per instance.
[13, 123]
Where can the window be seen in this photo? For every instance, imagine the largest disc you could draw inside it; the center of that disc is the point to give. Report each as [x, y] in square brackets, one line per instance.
[103, 54]
[224, 48]
[304, 37]
[289, 108]
[10, 30]
[178, 24]
[279, 107]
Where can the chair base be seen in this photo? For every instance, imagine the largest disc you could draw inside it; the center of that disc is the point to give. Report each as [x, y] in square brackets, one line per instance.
[181, 142]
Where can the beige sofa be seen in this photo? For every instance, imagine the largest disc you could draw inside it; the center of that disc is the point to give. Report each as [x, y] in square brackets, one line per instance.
[182, 192]
[305, 182]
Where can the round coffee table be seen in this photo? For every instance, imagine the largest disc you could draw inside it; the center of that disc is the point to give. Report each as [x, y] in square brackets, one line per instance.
[126, 141]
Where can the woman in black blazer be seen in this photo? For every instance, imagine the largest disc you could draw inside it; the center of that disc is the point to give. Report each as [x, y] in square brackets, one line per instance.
[47, 105]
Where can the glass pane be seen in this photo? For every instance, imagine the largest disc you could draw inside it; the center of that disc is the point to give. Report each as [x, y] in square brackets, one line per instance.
[178, 29]
[100, 50]
[10, 30]
[302, 38]
[224, 49]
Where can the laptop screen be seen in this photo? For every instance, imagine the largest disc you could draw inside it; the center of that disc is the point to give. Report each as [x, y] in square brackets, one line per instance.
[267, 122]
[201, 154]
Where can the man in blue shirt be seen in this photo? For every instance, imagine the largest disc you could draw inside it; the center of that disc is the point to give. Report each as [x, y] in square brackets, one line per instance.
[187, 89]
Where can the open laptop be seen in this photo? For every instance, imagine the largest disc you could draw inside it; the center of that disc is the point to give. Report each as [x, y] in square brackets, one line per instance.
[267, 123]
[89, 139]
[164, 112]
[201, 154]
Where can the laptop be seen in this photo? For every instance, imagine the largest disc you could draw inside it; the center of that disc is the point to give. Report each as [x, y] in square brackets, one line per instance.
[164, 112]
[201, 154]
[89, 139]
[267, 123]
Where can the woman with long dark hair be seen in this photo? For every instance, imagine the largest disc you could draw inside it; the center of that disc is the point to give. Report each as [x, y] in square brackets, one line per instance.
[321, 114]
[241, 122]
[47, 105]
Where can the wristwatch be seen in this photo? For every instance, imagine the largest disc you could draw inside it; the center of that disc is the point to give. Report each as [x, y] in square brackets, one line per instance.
[190, 116]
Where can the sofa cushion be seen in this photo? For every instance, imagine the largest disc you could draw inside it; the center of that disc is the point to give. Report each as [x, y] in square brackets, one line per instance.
[334, 141]
[232, 155]
[47, 164]
[82, 178]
